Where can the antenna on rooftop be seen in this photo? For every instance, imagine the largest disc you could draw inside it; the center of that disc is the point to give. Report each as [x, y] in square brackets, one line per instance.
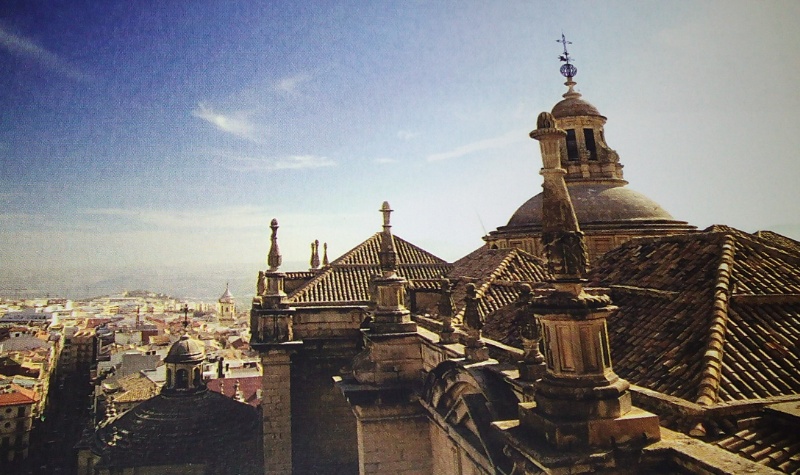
[568, 70]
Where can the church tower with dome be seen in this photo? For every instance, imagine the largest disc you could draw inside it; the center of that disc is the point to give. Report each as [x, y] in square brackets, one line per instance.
[226, 307]
[609, 211]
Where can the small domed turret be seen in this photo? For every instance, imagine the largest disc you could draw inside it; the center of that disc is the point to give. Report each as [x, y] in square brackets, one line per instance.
[185, 351]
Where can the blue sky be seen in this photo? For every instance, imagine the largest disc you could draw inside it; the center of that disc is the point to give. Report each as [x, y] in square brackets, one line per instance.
[150, 133]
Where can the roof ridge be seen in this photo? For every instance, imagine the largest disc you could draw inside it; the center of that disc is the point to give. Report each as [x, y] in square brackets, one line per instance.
[356, 247]
[497, 271]
[717, 332]
[414, 246]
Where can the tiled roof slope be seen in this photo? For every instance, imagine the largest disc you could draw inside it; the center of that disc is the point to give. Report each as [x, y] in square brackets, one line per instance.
[772, 440]
[496, 274]
[779, 240]
[708, 317]
[347, 278]
[135, 387]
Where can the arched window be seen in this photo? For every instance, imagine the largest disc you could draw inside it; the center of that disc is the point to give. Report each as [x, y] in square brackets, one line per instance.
[198, 380]
[588, 135]
[170, 382]
[181, 379]
[572, 145]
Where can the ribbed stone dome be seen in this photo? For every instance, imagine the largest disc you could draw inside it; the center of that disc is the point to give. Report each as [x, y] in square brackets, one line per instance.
[596, 203]
[574, 106]
[203, 427]
[185, 351]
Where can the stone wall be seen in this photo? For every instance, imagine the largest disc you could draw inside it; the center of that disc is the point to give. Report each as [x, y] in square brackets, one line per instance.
[276, 407]
[393, 439]
[323, 425]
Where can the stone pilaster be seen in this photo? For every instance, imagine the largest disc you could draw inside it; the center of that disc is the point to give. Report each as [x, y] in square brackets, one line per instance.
[393, 439]
[277, 411]
[393, 431]
[271, 334]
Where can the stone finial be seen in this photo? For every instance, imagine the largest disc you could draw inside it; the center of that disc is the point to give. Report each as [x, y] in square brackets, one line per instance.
[325, 262]
[530, 332]
[472, 316]
[238, 395]
[388, 255]
[261, 283]
[545, 121]
[386, 210]
[475, 349]
[274, 258]
[446, 305]
[315, 254]
[561, 234]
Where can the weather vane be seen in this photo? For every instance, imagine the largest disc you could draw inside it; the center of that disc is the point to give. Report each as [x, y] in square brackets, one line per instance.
[568, 70]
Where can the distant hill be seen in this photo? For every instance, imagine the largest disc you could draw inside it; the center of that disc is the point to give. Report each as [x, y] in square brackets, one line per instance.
[199, 281]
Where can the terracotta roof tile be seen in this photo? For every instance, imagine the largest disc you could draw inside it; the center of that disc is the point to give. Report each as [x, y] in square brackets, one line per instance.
[347, 278]
[14, 395]
[135, 387]
[772, 440]
[496, 274]
[709, 317]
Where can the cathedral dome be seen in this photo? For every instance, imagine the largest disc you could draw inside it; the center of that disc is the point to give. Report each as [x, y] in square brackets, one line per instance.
[597, 203]
[185, 351]
[202, 428]
[574, 106]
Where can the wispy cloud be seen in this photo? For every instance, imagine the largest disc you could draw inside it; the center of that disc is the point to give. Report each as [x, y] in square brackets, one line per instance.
[242, 217]
[238, 124]
[289, 162]
[26, 48]
[290, 85]
[481, 145]
[406, 134]
[385, 160]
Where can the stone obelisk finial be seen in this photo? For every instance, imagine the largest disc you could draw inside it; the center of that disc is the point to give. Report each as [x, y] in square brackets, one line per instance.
[314, 262]
[271, 315]
[388, 256]
[274, 258]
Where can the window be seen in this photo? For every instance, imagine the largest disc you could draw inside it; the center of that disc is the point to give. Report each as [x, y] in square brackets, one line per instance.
[181, 379]
[588, 135]
[572, 145]
[21, 412]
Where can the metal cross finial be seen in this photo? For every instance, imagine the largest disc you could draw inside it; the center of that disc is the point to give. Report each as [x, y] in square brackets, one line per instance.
[568, 70]
[185, 316]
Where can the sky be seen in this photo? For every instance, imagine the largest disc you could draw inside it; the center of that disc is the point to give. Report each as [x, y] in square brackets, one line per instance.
[171, 133]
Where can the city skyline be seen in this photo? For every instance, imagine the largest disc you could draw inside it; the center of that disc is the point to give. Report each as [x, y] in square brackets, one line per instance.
[173, 134]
